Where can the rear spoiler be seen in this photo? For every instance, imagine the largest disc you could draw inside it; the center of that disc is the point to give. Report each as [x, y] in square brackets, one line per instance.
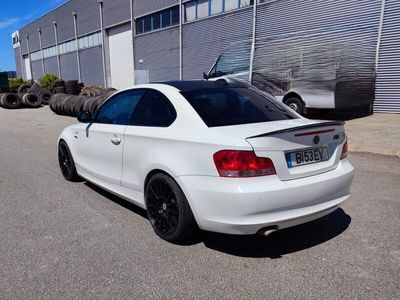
[291, 129]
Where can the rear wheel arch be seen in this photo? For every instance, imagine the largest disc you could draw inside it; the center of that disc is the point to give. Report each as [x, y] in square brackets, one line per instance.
[186, 224]
[161, 171]
[151, 174]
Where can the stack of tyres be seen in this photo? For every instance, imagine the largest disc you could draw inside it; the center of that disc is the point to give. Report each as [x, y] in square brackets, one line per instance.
[24, 88]
[34, 89]
[71, 105]
[43, 94]
[10, 101]
[93, 91]
[59, 87]
[72, 87]
[30, 100]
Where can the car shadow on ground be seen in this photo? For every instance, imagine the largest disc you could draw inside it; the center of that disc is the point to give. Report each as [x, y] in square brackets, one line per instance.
[118, 200]
[286, 241]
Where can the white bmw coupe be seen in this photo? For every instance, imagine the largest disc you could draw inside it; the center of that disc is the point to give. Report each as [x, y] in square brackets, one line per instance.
[210, 155]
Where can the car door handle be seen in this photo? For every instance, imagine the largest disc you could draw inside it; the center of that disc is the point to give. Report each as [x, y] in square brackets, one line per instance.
[116, 140]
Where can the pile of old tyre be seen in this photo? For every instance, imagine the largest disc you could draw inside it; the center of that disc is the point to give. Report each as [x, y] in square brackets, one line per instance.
[43, 94]
[71, 105]
[70, 87]
[13, 101]
[10, 101]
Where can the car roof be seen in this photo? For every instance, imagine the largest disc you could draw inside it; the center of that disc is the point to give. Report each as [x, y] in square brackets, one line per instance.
[189, 85]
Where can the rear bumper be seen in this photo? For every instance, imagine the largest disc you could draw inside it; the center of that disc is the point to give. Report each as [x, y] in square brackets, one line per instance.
[244, 206]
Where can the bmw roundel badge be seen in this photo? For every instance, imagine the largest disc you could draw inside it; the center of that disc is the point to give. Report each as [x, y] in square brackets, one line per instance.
[316, 140]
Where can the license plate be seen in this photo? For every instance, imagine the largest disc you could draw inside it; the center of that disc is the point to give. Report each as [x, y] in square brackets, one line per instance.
[307, 156]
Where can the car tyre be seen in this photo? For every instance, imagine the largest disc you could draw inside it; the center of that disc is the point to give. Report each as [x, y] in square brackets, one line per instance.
[168, 210]
[296, 104]
[66, 162]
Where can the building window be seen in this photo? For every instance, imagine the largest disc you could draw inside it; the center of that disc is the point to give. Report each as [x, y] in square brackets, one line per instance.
[37, 55]
[197, 9]
[88, 41]
[244, 3]
[190, 11]
[216, 7]
[156, 21]
[231, 4]
[162, 19]
[175, 15]
[166, 18]
[202, 8]
[147, 24]
[139, 26]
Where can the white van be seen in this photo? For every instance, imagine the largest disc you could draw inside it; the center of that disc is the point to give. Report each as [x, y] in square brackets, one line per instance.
[303, 72]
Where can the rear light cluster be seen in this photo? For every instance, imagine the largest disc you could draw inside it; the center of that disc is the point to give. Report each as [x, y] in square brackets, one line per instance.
[234, 163]
[344, 151]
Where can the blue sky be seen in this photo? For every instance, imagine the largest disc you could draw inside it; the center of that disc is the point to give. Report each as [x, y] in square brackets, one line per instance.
[14, 14]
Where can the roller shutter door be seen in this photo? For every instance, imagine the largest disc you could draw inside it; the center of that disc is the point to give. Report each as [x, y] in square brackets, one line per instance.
[387, 91]
[28, 72]
[121, 58]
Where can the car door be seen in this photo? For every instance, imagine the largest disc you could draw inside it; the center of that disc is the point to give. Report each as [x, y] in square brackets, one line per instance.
[101, 145]
[145, 137]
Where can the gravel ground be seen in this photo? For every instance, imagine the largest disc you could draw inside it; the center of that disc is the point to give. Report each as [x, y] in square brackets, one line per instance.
[71, 240]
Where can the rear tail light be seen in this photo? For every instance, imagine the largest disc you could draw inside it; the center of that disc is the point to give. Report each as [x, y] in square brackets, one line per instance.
[344, 150]
[233, 163]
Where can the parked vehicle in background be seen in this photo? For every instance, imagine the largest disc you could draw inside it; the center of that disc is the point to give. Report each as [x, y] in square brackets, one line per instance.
[219, 157]
[305, 71]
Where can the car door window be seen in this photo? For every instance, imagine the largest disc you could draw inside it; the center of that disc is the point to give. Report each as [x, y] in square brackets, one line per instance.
[118, 110]
[154, 109]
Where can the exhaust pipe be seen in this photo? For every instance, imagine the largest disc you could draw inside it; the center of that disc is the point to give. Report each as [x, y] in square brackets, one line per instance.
[266, 231]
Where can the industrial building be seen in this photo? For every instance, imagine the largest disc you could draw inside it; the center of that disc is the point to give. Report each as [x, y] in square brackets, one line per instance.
[124, 42]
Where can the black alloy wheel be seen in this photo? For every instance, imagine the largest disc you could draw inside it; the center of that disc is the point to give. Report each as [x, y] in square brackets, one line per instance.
[66, 162]
[168, 210]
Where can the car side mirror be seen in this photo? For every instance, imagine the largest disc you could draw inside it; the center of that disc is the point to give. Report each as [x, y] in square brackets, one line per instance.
[205, 76]
[85, 117]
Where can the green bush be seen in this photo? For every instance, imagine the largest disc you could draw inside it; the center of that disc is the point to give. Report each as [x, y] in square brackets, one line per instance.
[48, 80]
[15, 83]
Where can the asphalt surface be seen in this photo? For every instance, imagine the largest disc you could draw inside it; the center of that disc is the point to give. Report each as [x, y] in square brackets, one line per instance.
[71, 240]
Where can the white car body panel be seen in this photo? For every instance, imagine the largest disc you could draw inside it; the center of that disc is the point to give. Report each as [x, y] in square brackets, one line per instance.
[185, 149]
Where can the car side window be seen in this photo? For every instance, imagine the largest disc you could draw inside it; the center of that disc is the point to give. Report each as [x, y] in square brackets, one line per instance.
[118, 110]
[154, 109]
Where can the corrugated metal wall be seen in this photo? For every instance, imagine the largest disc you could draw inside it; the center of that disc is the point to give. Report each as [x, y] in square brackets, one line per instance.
[88, 16]
[285, 16]
[142, 7]
[204, 40]
[91, 66]
[37, 70]
[65, 22]
[50, 65]
[69, 66]
[159, 52]
[48, 38]
[387, 93]
[18, 62]
[116, 11]
[329, 43]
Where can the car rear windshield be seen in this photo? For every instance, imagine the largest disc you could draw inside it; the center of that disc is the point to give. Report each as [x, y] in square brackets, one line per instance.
[235, 106]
